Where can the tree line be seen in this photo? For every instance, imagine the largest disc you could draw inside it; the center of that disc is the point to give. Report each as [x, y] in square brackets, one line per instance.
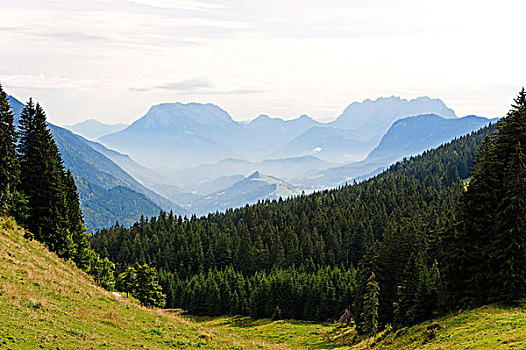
[40, 194]
[281, 293]
[432, 233]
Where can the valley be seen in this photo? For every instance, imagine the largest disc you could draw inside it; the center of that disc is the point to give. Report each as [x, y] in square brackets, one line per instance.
[226, 174]
[300, 155]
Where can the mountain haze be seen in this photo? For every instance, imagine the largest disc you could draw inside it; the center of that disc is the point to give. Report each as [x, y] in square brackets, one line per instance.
[176, 135]
[250, 190]
[406, 137]
[414, 135]
[98, 178]
[303, 154]
[328, 143]
[379, 114]
[272, 133]
[93, 129]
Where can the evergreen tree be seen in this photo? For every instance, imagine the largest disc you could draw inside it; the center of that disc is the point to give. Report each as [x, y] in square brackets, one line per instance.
[102, 271]
[10, 199]
[418, 293]
[370, 306]
[146, 288]
[508, 258]
[126, 281]
[375, 225]
[41, 180]
[79, 245]
[484, 251]
[9, 166]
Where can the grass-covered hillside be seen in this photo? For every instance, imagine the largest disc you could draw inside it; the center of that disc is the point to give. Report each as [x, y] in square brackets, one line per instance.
[48, 303]
[489, 327]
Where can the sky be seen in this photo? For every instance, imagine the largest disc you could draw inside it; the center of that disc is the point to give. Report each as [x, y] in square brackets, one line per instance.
[113, 59]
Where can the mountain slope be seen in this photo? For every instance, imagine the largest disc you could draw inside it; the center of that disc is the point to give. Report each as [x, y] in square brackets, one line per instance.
[16, 106]
[93, 129]
[142, 174]
[178, 134]
[406, 137]
[99, 175]
[200, 177]
[105, 175]
[247, 191]
[330, 144]
[488, 327]
[46, 302]
[413, 135]
[103, 207]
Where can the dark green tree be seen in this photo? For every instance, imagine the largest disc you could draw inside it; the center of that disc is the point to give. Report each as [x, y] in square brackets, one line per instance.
[79, 245]
[418, 293]
[9, 166]
[102, 271]
[41, 181]
[11, 202]
[484, 251]
[370, 306]
[126, 281]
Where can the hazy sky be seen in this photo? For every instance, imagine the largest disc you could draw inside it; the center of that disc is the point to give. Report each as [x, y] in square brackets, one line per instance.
[112, 59]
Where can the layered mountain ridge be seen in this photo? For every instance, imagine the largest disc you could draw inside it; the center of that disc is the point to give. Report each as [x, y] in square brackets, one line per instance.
[107, 192]
[92, 129]
[194, 158]
[177, 135]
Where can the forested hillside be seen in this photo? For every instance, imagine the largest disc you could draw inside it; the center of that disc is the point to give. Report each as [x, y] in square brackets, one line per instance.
[40, 193]
[107, 193]
[311, 256]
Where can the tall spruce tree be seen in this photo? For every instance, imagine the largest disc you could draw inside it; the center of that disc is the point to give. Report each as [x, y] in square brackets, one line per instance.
[79, 250]
[484, 251]
[9, 165]
[509, 255]
[42, 181]
[370, 306]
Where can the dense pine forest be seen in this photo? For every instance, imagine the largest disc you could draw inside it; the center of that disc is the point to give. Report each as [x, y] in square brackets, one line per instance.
[432, 233]
[309, 257]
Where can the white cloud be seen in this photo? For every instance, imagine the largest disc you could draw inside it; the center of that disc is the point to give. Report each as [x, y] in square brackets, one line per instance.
[191, 5]
[43, 81]
[273, 57]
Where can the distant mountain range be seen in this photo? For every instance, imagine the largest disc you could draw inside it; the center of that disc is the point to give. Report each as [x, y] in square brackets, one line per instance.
[332, 144]
[414, 135]
[93, 129]
[196, 178]
[107, 193]
[249, 190]
[194, 158]
[406, 137]
[378, 115]
[176, 136]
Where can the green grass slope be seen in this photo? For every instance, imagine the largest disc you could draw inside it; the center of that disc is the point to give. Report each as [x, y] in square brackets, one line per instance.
[48, 303]
[489, 327]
